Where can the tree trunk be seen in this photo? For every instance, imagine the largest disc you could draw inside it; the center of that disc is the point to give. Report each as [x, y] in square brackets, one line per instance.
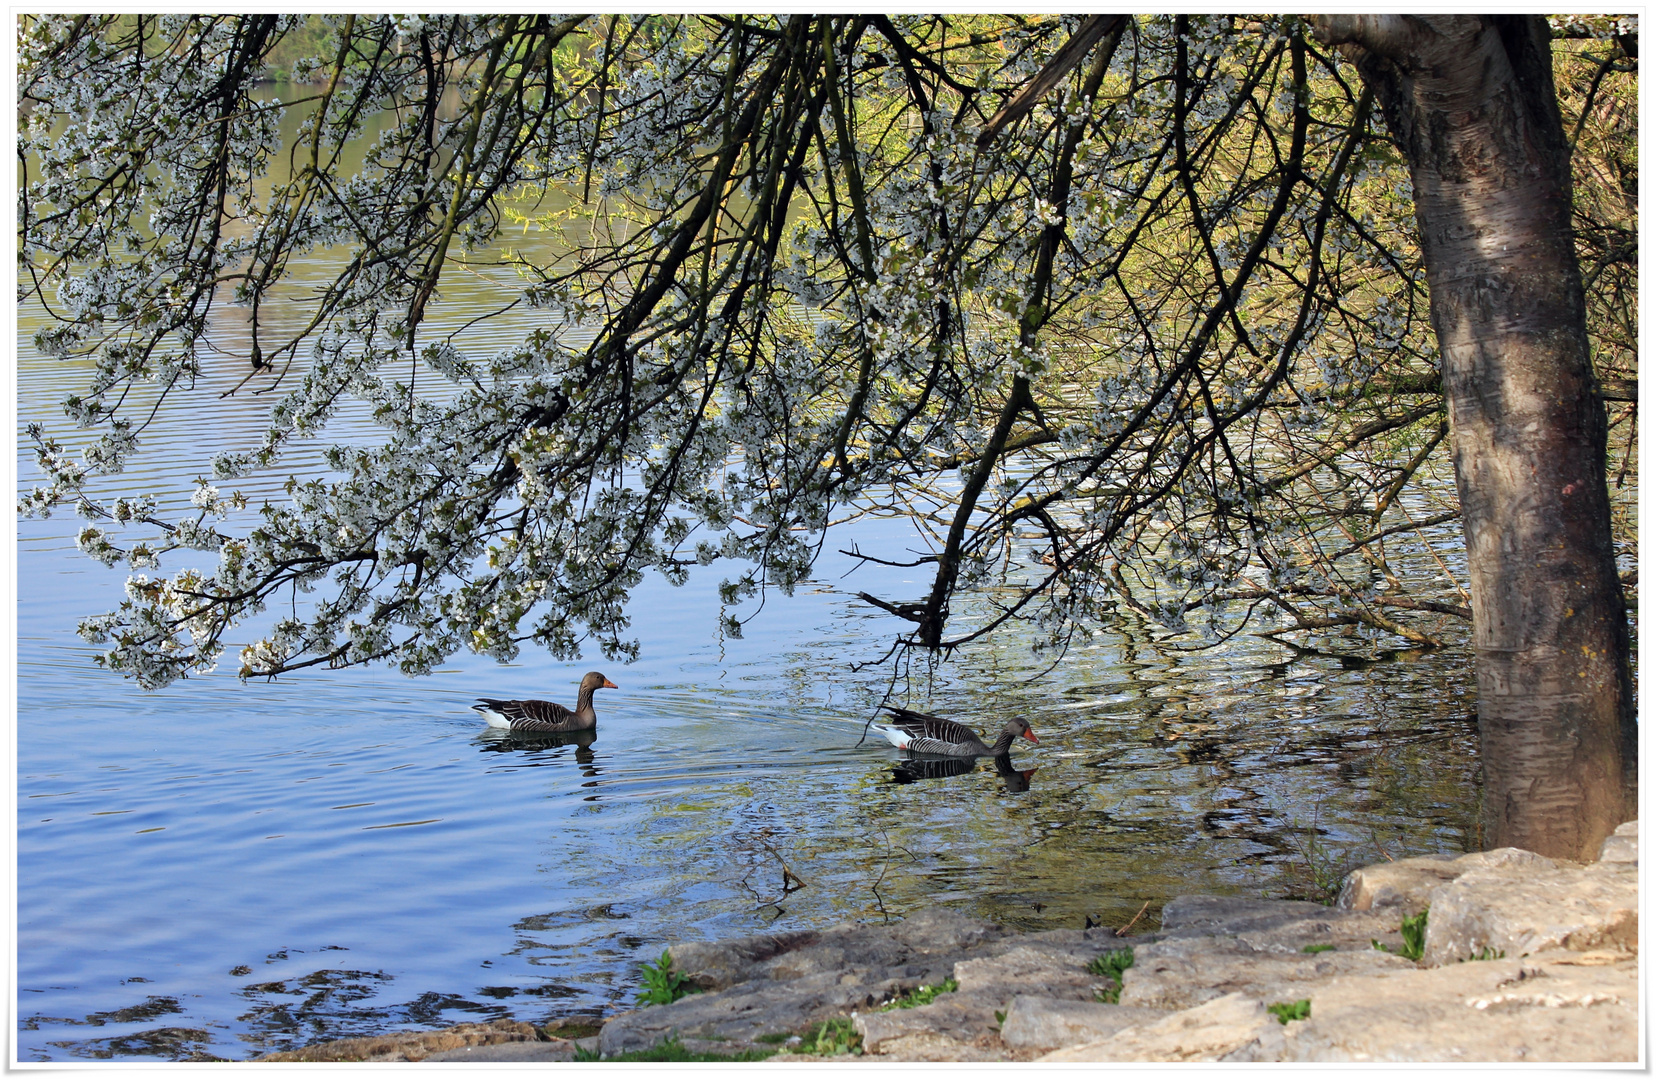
[1470, 100]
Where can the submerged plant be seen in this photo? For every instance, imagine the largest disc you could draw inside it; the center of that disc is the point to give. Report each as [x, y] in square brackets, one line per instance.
[1317, 869]
[572, 1027]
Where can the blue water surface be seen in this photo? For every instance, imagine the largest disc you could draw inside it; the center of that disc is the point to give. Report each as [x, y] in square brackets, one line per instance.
[221, 870]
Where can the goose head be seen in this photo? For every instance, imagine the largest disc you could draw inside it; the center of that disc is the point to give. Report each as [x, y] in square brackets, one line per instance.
[594, 680]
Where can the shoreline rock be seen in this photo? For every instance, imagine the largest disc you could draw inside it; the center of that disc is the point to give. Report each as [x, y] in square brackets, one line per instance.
[414, 1045]
[1523, 959]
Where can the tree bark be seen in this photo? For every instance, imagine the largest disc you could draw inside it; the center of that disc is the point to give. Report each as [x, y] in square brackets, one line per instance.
[1470, 100]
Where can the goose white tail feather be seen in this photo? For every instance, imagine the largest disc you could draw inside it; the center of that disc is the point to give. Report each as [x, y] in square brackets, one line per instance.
[894, 735]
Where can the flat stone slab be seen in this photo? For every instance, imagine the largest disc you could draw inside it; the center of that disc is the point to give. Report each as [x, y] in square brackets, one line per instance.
[1404, 884]
[930, 1046]
[1040, 1023]
[1523, 909]
[739, 1016]
[963, 1018]
[1548, 1008]
[926, 941]
[1205, 915]
[1407, 884]
[549, 1050]
[1230, 1028]
[1557, 1007]
[1216, 946]
[1622, 845]
[1182, 973]
[413, 1045]
[1275, 926]
[1043, 970]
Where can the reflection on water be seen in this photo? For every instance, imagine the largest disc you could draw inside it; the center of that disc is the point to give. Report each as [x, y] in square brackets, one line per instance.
[931, 768]
[1015, 779]
[539, 750]
[926, 767]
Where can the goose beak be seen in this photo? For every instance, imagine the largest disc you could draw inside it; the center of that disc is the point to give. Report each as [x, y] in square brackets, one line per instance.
[609, 685]
[1029, 733]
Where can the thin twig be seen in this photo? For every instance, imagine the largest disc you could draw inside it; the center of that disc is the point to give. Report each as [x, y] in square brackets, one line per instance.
[1123, 931]
[787, 871]
[884, 866]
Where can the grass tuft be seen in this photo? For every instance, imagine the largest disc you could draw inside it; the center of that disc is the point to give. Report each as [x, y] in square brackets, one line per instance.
[1414, 937]
[921, 995]
[1318, 948]
[1285, 1011]
[829, 1038]
[1112, 965]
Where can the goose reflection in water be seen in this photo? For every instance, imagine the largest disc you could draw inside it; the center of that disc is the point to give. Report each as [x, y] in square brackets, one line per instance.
[912, 769]
[1014, 779]
[535, 746]
[909, 770]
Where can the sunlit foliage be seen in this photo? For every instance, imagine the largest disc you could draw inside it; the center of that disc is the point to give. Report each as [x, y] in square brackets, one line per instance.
[1160, 345]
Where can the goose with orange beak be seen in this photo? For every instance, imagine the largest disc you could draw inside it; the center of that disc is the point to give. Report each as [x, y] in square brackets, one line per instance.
[922, 733]
[547, 716]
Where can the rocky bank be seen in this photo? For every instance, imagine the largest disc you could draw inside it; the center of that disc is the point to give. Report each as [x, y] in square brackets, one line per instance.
[1523, 958]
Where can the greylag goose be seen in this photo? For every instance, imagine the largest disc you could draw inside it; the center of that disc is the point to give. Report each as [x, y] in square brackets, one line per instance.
[921, 733]
[547, 715]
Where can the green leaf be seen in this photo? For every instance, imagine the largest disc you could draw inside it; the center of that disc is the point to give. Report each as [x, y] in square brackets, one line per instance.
[1285, 1011]
[1414, 935]
[1414, 938]
[663, 985]
[1111, 965]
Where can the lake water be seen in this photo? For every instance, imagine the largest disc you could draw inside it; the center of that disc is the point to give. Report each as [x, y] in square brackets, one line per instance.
[222, 870]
